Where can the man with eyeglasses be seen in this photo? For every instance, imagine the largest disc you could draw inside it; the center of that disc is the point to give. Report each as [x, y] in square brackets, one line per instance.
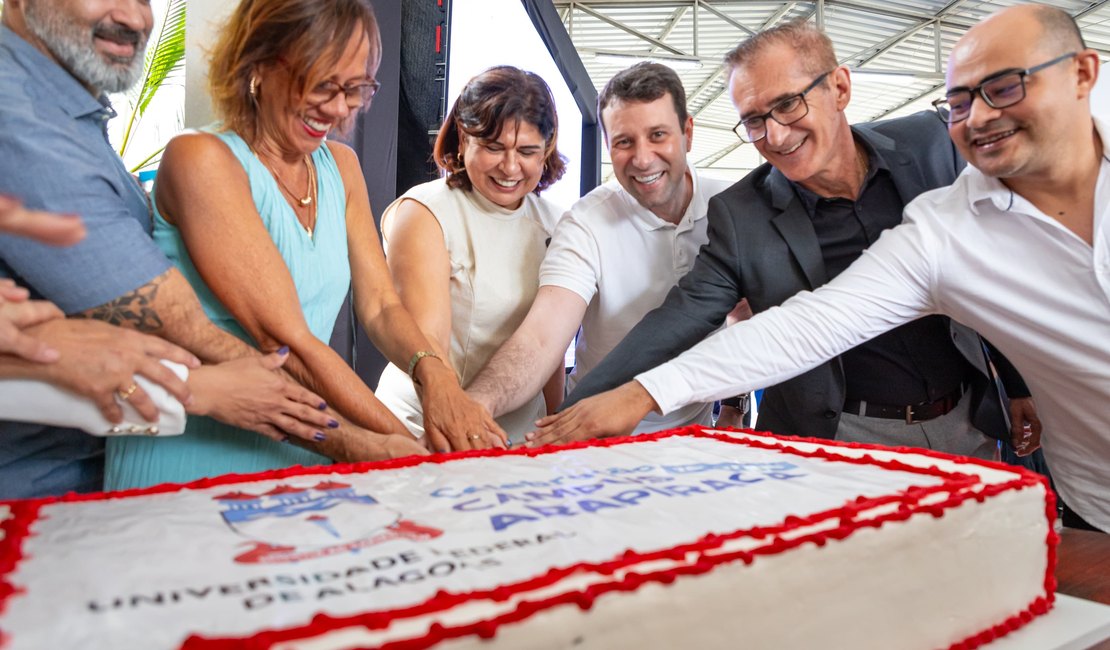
[1018, 247]
[826, 193]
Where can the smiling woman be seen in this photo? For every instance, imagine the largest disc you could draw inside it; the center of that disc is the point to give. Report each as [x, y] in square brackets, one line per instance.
[465, 250]
[271, 224]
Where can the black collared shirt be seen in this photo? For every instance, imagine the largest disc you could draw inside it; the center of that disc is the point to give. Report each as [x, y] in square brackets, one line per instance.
[914, 363]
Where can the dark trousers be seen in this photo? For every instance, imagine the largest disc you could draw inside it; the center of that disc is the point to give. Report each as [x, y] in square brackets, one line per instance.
[1071, 519]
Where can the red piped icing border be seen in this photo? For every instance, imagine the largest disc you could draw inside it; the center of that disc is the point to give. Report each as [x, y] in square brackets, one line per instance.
[957, 484]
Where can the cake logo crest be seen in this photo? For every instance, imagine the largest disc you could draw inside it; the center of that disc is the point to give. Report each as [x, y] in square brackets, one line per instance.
[290, 523]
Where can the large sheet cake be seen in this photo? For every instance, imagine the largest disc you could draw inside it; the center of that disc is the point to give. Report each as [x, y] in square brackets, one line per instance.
[691, 537]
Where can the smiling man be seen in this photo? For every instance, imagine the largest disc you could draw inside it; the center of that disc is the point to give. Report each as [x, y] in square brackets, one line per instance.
[827, 192]
[618, 250]
[1018, 247]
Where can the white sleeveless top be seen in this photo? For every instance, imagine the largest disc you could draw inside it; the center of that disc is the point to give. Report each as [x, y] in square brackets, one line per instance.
[495, 256]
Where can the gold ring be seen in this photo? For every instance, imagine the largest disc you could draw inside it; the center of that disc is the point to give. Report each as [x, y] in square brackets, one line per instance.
[126, 393]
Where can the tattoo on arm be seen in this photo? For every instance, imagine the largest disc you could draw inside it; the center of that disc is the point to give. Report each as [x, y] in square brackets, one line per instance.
[133, 309]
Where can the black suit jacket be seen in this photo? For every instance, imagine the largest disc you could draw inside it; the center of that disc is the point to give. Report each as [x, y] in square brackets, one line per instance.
[762, 247]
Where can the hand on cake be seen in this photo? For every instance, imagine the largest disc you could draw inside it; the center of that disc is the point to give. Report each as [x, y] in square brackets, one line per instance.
[1025, 426]
[368, 446]
[612, 413]
[401, 445]
[452, 420]
[251, 393]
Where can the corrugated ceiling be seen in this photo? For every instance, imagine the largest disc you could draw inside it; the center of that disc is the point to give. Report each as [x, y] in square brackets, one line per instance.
[912, 37]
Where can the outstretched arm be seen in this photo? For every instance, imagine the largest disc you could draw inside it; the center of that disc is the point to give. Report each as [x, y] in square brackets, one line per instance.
[692, 310]
[520, 367]
[417, 320]
[888, 286]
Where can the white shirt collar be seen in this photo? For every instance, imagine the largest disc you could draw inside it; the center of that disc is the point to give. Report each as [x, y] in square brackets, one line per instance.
[981, 187]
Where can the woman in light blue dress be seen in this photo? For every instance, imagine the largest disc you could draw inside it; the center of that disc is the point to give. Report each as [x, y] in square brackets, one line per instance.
[271, 224]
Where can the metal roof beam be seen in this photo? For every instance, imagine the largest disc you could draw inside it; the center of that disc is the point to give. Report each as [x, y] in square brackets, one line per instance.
[709, 81]
[625, 28]
[862, 57]
[909, 101]
[771, 21]
[717, 155]
[786, 8]
[676, 18]
[911, 16]
[897, 39]
[727, 18]
[1093, 7]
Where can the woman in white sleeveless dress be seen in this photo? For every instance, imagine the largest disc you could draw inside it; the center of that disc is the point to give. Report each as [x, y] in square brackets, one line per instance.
[465, 250]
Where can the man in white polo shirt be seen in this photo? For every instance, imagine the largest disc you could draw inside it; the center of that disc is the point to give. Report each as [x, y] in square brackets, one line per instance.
[617, 251]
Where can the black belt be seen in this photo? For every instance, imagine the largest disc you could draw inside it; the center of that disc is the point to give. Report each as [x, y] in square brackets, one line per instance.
[911, 413]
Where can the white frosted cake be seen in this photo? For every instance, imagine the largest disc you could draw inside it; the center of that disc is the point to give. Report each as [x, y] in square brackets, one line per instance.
[688, 538]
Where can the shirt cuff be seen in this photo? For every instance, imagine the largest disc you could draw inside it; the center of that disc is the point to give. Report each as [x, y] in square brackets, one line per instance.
[660, 383]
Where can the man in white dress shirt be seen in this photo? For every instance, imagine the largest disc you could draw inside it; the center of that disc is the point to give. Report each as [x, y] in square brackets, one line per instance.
[1018, 248]
[617, 251]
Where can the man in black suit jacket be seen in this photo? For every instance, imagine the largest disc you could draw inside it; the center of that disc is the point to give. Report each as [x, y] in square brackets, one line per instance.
[826, 193]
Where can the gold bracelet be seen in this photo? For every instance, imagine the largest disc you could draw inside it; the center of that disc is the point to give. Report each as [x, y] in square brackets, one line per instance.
[415, 360]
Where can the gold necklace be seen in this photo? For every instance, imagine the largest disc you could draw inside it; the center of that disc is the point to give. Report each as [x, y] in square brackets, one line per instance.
[309, 191]
[309, 198]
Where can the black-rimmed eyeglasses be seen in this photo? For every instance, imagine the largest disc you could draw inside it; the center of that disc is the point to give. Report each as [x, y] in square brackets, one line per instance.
[786, 112]
[356, 95]
[999, 90]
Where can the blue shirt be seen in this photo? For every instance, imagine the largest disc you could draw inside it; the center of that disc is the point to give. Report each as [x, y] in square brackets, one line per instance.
[55, 155]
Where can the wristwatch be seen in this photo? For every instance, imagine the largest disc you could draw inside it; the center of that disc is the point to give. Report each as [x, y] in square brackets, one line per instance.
[739, 402]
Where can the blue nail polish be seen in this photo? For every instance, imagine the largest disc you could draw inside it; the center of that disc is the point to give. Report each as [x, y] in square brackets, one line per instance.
[323, 406]
[333, 424]
[283, 350]
[319, 437]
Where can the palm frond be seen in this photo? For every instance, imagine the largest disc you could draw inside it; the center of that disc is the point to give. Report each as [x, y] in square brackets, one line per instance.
[168, 55]
[165, 57]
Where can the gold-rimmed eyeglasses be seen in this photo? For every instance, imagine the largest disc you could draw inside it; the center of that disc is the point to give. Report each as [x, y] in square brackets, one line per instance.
[356, 95]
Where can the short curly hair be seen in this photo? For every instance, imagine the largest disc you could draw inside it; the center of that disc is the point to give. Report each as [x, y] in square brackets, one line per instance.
[501, 95]
[307, 36]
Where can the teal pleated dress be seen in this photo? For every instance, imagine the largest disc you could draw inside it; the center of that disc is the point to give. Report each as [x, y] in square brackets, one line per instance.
[321, 271]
